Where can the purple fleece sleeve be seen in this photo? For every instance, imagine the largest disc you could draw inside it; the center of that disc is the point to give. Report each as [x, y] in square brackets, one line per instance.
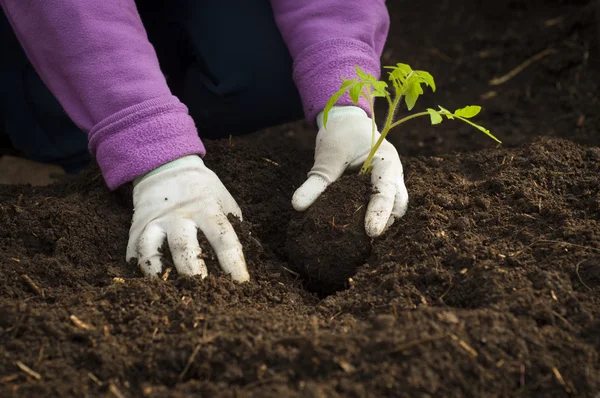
[326, 39]
[96, 59]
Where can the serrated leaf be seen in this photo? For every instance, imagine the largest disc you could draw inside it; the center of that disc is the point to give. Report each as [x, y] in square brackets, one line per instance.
[379, 89]
[356, 91]
[399, 74]
[465, 119]
[365, 77]
[468, 111]
[435, 116]
[426, 78]
[347, 83]
[446, 112]
[400, 70]
[396, 83]
[334, 98]
[411, 94]
[481, 128]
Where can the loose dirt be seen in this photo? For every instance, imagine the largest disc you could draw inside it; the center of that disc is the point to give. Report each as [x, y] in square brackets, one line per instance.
[489, 286]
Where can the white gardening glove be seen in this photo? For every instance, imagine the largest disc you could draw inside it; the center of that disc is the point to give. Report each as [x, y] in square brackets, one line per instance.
[344, 145]
[171, 203]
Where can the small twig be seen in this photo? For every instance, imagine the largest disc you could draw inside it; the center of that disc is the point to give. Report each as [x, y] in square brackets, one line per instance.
[560, 379]
[441, 298]
[558, 242]
[256, 241]
[28, 370]
[80, 324]
[36, 289]
[165, 276]
[335, 315]
[271, 161]
[417, 342]
[359, 207]
[40, 355]
[565, 321]
[463, 344]
[290, 271]
[192, 357]
[553, 242]
[503, 79]
[579, 276]
[190, 361]
[529, 246]
[115, 390]
[9, 378]
[95, 379]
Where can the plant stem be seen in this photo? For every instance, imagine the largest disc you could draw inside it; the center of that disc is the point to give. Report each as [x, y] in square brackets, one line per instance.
[406, 119]
[393, 106]
[388, 125]
[373, 125]
[365, 167]
[389, 101]
[479, 128]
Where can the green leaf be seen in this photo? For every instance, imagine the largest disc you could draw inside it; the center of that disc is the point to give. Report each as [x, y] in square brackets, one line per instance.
[481, 128]
[435, 116]
[446, 112]
[426, 78]
[356, 91]
[365, 77]
[379, 88]
[347, 83]
[468, 111]
[411, 94]
[335, 97]
[396, 83]
[399, 74]
[400, 71]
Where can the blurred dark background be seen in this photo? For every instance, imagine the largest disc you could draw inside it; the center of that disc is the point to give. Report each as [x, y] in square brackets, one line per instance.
[464, 45]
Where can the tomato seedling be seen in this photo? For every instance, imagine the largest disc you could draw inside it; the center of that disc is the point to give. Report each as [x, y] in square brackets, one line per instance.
[407, 84]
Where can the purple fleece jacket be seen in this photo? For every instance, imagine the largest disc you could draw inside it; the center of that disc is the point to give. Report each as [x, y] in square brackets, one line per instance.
[96, 59]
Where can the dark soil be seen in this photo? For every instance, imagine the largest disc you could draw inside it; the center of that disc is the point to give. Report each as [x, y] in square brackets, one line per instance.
[489, 286]
[327, 243]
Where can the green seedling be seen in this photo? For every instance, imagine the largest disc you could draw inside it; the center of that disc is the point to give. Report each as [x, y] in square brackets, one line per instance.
[407, 84]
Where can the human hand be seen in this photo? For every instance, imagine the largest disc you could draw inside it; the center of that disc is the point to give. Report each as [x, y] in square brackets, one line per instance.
[172, 203]
[345, 145]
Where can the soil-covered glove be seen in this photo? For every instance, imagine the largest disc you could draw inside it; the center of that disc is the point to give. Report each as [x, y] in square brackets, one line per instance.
[345, 145]
[173, 202]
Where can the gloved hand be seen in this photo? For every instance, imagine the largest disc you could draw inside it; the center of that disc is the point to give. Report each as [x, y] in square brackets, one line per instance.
[172, 202]
[345, 145]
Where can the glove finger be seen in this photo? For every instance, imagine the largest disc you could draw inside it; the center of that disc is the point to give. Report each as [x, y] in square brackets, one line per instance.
[230, 206]
[185, 250]
[308, 192]
[147, 250]
[225, 243]
[381, 204]
[330, 163]
[401, 202]
[400, 206]
[378, 214]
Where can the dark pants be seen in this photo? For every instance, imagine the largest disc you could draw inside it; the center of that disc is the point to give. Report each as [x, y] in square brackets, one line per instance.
[225, 60]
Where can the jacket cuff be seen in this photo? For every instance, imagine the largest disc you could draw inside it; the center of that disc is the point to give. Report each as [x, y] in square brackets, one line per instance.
[143, 137]
[319, 69]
